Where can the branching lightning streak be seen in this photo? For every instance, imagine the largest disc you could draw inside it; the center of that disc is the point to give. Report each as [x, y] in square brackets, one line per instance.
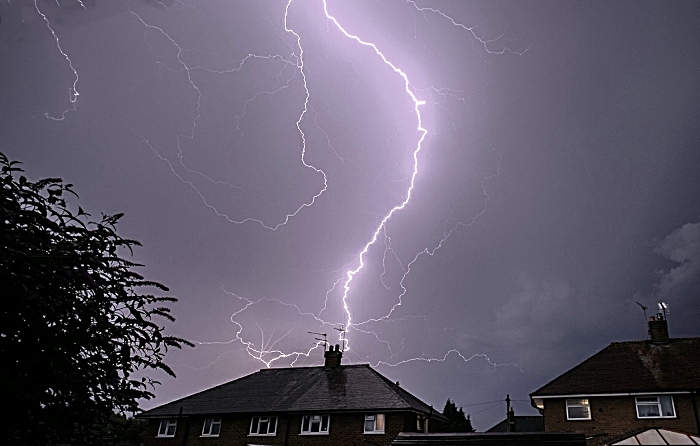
[73, 90]
[423, 132]
[470, 30]
[431, 251]
[444, 358]
[300, 66]
[264, 351]
[258, 353]
[267, 352]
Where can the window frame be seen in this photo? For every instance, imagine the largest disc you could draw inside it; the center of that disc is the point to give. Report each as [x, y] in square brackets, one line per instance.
[584, 403]
[658, 404]
[375, 419]
[259, 419]
[311, 421]
[164, 427]
[212, 422]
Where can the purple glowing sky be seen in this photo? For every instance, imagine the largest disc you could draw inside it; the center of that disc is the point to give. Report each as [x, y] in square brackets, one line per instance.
[257, 150]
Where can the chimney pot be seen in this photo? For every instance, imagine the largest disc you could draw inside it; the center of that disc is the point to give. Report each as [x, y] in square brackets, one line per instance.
[333, 357]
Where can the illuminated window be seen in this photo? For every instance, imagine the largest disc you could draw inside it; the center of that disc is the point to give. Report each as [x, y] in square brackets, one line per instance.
[374, 423]
[212, 427]
[578, 409]
[655, 407]
[167, 427]
[263, 426]
[315, 424]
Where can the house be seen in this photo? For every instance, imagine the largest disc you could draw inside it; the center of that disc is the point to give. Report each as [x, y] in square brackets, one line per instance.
[332, 404]
[627, 387]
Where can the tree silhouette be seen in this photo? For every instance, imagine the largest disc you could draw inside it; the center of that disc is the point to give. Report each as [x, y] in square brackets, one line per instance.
[74, 325]
[457, 421]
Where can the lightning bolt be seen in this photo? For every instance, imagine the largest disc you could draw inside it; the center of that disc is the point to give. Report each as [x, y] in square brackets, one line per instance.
[266, 352]
[292, 68]
[73, 90]
[487, 43]
[419, 145]
[294, 60]
[380, 229]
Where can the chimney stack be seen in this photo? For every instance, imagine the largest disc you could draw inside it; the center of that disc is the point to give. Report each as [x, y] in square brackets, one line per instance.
[658, 330]
[333, 357]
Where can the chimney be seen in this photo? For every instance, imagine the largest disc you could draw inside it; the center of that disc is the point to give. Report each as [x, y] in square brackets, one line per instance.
[511, 420]
[333, 357]
[658, 330]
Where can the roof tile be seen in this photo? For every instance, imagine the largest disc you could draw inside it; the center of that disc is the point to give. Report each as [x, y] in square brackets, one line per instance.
[299, 389]
[630, 367]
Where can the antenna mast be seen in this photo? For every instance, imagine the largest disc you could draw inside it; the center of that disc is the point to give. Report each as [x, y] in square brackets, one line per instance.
[324, 340]
[342, 331]
[644, 309]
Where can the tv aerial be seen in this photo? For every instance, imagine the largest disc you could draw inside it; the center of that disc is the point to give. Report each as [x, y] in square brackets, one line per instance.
[342, 331]
[663, 308]
[644, 309]
[324, 339]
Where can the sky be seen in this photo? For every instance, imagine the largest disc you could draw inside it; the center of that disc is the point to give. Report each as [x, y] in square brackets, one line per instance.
[478, 192]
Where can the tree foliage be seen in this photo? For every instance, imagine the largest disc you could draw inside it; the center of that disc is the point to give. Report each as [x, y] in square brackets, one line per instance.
[77, 332]
[458, 422]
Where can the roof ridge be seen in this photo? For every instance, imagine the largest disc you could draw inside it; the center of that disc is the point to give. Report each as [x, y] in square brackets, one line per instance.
[688, 338]
[266, 369]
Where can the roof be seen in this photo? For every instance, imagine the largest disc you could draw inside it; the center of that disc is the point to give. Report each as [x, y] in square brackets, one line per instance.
[517, 438]
[299, 389]
[523, 423]
[632, 367]
[656, 436]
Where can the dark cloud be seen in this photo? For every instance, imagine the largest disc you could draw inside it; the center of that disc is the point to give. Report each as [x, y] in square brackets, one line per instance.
[682, 246]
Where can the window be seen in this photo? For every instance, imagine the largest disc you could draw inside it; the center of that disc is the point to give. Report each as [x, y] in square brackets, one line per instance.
[167, 427]
[212, 427]
[655, 407]
[578, 409]
[422, 424]
[263, 426]
[315, 424]
[374, 423]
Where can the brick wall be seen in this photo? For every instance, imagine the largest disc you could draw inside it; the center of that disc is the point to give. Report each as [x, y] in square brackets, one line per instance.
[613, 416]
[344, 429]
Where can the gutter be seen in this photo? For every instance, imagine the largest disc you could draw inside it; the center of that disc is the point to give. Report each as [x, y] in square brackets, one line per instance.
[532, 403]
[587, 395]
